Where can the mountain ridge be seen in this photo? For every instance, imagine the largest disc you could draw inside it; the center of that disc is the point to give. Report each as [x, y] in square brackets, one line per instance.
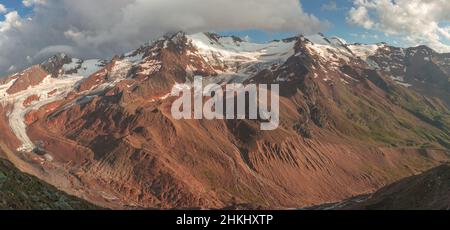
[348, 126]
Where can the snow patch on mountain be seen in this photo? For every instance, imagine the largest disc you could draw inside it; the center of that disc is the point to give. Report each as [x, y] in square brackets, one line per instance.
[16, 116]
[240, 58]
[329, 50]
[134, 57]
[83, 68]
[364, 51]
[149, 67]
[4, 88]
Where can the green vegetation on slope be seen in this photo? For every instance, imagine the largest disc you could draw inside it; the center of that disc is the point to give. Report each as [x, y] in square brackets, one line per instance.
[413, 121]
[24, 192]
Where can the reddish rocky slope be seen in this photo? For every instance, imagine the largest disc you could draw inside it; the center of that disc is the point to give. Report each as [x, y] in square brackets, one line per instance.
[347, 128]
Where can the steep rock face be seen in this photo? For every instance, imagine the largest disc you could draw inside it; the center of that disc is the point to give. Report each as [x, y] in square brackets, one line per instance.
[346, 128]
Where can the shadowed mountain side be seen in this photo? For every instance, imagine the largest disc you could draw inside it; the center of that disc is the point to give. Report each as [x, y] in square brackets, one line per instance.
[427, 191]
[19, 191]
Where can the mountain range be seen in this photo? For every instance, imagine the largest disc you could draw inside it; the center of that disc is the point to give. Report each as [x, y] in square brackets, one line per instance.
[353, 119]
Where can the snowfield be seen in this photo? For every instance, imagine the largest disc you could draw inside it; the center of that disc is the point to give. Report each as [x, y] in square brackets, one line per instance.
[241, 58]
[83, 68]
[16, 117]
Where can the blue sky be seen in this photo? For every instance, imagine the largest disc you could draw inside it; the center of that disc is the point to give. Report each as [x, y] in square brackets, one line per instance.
[338, 25]
[14, 5]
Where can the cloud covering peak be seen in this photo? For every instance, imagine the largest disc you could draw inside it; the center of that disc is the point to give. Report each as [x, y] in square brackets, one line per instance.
[102, 28]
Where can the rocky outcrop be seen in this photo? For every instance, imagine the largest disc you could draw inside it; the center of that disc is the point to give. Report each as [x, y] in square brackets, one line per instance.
[418, 67]
[30, 100]
[55, 64]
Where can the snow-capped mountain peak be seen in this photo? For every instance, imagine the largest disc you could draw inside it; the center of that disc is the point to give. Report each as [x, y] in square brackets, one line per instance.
[232, 55]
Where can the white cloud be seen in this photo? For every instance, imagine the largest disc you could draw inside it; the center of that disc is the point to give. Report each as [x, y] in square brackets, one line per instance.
[2, 8]
[102, 28]
[360, 16]
[12, 20]
[30, 3]
[418, 21]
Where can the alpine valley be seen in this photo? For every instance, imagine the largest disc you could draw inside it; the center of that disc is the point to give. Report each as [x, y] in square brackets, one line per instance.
[354, 118]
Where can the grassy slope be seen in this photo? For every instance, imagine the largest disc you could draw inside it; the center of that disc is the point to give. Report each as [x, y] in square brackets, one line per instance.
[412, 122]
[25, 192]
[429, 191]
